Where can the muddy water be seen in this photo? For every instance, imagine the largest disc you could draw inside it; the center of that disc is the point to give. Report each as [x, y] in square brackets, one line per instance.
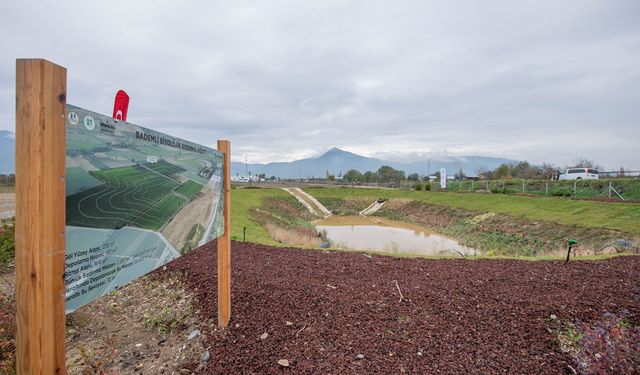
[378, 234]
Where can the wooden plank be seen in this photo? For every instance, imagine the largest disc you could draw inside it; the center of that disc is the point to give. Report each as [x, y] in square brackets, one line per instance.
[40, 216]
[224, 242]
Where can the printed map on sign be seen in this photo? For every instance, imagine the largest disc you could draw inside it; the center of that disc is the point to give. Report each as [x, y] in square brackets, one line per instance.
[136, 199]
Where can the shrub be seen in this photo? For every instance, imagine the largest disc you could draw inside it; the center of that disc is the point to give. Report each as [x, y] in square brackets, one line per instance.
[427, 186]
[562, 191]
[418, 186]
[7, 243]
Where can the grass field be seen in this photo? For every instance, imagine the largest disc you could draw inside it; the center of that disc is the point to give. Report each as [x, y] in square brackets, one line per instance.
[629, 188]
[189, 189]
[589, 214]
[242, 201]
[138, 195]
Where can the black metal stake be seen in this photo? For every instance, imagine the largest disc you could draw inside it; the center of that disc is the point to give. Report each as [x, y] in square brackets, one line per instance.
[244, 234]
[571, 243]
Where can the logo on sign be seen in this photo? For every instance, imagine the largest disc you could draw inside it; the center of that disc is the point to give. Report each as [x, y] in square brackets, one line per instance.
[89, 123]
[73, 118]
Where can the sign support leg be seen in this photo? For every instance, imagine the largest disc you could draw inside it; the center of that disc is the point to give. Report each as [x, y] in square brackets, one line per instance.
[224, 242]
[40, 216]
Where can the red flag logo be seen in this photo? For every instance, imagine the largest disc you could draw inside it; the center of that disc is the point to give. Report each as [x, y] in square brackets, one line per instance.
[121, 105]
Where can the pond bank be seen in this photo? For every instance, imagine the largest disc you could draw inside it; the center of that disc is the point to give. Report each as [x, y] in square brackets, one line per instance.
[492, 233]
[383, 235]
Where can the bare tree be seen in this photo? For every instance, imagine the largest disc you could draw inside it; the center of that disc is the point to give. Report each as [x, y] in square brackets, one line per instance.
[583, 162]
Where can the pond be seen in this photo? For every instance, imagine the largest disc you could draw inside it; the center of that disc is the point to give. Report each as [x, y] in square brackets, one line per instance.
[389, 236]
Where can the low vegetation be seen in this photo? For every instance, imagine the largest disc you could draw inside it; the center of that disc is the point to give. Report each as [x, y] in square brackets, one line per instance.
[345, 207]
[608, 346]
[7, 243]
[7, 329]
[287, 221]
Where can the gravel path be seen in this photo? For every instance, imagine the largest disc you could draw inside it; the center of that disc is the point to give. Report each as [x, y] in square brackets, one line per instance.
[342, 313]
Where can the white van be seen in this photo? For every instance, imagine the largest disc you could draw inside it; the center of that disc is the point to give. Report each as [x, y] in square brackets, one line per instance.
[578, 174]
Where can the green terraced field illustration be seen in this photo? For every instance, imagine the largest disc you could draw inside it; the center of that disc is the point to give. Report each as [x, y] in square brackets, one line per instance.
[144, 195]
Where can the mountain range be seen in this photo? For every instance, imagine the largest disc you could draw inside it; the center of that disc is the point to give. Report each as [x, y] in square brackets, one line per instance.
[337, 161]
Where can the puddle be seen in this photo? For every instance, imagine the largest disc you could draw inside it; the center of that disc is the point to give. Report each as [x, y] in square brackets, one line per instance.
[378, 234]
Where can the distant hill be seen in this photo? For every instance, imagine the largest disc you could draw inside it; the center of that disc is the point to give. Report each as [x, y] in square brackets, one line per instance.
[338, 161]
[7, 152]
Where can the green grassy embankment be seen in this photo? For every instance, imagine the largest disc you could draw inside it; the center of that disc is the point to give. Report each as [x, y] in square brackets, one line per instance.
[242, 201]
[272, 217]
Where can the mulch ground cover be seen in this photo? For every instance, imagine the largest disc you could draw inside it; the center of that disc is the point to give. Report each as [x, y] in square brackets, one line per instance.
[345, 313]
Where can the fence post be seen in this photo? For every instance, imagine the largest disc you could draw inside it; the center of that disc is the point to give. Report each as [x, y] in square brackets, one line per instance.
[224, 242]
[523, 182]
[472, 186]
[609, 189]
[486, 188]
[546, 188]
[575, 188]
[40, 216]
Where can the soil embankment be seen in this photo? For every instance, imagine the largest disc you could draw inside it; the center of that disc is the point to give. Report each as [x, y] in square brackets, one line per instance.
[348, 313]
[287, 221]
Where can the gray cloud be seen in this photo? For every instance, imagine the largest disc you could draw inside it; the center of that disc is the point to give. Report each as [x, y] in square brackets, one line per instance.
[537, 80]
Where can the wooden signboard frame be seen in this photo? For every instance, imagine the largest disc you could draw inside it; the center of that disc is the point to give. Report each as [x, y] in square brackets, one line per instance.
[40, 219]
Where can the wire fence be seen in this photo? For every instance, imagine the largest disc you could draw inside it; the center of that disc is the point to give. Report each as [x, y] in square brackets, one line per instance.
[618, 189]
[7, 180]
[621, 189]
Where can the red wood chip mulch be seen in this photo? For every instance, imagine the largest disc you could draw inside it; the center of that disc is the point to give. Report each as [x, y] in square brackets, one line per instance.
[341, 313]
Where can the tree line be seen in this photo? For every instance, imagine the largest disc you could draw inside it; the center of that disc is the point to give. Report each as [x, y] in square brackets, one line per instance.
[517, 170]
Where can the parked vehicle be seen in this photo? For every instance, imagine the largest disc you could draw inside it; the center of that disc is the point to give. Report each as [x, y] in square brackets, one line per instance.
[578, 174]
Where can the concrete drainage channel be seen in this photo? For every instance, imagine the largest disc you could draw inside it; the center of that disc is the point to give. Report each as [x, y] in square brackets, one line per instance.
[372, 208]
[312, 204]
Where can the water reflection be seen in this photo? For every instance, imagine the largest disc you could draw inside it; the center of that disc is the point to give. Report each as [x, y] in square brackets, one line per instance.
[378, 234]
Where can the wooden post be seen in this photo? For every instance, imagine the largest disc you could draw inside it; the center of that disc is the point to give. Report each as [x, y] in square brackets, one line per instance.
[40, 216]
[224, 242]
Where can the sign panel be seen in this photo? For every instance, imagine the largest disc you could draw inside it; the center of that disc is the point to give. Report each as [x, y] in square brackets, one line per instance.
[135, 200]
[443, 178]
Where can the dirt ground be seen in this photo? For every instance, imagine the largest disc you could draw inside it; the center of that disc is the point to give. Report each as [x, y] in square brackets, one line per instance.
[352, 313]
[7, 205]
[143, 328]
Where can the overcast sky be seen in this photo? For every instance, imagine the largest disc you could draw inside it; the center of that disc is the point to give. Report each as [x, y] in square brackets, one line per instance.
[535, 80]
